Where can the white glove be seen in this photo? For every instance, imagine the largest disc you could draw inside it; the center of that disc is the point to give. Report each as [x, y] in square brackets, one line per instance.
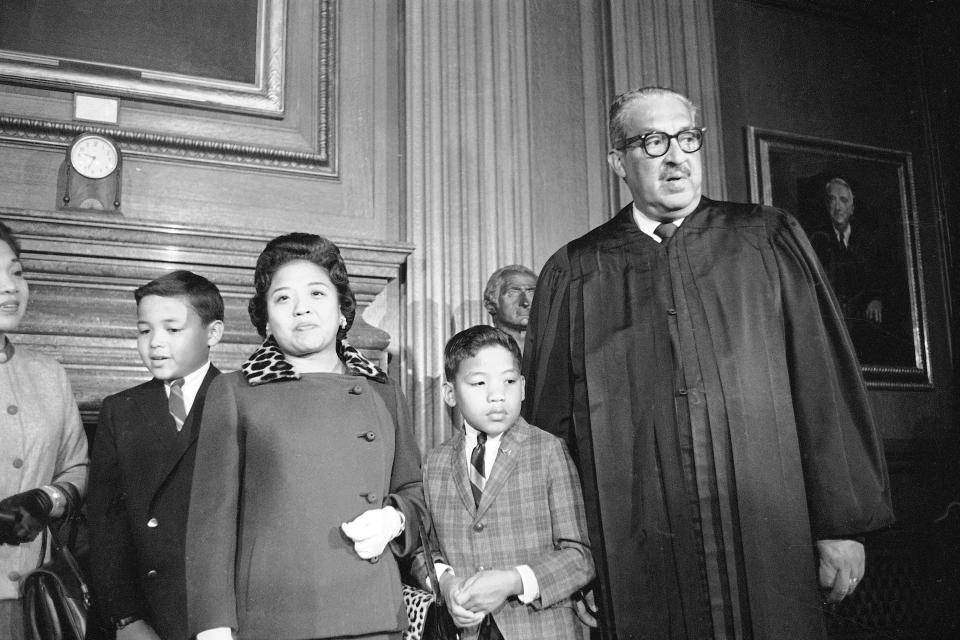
[373, 530]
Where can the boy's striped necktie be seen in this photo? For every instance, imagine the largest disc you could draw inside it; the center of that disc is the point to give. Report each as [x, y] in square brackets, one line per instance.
[177, 407]
[477, 468]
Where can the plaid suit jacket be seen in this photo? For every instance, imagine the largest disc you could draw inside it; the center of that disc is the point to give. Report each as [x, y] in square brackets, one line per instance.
[531, 513]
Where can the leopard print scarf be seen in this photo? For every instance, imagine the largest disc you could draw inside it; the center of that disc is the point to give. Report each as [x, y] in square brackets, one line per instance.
[267, 364]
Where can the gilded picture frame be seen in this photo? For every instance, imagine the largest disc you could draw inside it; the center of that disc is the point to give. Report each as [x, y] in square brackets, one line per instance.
[874, 262]
[177, 77]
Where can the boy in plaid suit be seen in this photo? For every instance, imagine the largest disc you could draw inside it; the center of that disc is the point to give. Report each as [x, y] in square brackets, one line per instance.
[505, 501]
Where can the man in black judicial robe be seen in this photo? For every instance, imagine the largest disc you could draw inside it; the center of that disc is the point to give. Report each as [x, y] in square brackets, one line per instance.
[710, 394]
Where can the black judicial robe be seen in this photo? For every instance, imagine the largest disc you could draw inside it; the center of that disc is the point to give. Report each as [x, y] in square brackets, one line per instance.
[729, 330]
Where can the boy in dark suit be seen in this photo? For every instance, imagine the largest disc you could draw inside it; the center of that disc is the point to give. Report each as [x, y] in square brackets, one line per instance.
[143, 458]
[505, 502]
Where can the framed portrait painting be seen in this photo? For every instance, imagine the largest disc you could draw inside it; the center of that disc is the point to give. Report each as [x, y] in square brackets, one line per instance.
[856, 204]
[217, 54]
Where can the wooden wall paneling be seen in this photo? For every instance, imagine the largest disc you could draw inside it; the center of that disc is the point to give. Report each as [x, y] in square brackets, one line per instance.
[328, 165]
[852, 71]
[569, 89]
[83, 268]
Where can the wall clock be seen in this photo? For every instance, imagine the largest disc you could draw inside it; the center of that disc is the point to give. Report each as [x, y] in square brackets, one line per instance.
[90, 174]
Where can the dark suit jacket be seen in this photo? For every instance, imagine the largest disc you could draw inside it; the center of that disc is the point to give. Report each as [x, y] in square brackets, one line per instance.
[140, 476]
[856, 272]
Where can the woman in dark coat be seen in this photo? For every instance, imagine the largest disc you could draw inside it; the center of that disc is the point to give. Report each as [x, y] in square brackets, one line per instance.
[307, 482]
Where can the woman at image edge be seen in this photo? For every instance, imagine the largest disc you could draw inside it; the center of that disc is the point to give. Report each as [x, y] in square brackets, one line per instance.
[308, 480]
[43, 443]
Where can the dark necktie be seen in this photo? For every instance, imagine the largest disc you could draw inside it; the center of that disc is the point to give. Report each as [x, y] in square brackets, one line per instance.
[177, 407]
[665, 230]
[477, 468]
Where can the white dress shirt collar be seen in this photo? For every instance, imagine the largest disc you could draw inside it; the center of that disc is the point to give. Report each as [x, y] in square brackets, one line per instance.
[191, 385]
[648, 224]
[491, 448]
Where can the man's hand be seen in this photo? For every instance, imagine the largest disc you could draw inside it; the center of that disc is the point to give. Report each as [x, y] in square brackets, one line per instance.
[486, 590]
[874, 311]
[32, 512]
[842, 565]
[137, 630]
[373, 530]
[586, 608]
[450, 589]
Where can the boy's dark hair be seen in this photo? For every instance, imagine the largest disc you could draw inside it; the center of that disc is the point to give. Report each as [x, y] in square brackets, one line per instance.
[468, 343]
[202, 294]
[6, 235]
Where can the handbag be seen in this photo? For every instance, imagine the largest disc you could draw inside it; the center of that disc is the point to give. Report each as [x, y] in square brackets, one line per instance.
[55, 595]
[427, 613]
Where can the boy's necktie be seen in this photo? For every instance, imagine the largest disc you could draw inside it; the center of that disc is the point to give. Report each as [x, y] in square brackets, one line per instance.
[177, 407]
[477, 468]
[665, 230]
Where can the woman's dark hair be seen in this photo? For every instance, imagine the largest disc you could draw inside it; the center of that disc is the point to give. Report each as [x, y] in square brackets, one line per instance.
[468, 343]
[301, 246]
[7, 236]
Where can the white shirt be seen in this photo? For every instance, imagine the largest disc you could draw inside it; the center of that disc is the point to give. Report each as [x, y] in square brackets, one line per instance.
[191, 386]
[843, 236]
[648, 224]
[490, 449]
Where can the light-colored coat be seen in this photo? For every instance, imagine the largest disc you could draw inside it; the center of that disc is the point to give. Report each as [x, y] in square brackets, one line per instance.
[42, 441]
[531, 513]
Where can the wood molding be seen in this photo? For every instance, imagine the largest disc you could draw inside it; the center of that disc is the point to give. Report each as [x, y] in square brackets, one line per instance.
[83, 268]
[262, 95]
[145, 144]
[248, 150]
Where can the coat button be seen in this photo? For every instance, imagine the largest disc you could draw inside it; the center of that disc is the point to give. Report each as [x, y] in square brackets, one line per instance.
[14, 576]
[682, 391]
[356, 390]
[478, 526]
[370, 436]
[372, 498]
[152, 523]
[152, 573]
[12, 409]
[17, 463]
[671, 312]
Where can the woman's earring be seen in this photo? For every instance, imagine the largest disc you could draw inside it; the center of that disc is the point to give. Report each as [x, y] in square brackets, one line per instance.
[343, 322]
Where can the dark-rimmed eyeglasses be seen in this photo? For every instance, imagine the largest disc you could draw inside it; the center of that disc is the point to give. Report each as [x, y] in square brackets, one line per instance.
[657, 143]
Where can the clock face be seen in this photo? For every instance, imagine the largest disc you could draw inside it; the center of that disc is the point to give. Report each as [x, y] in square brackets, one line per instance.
[94, 156]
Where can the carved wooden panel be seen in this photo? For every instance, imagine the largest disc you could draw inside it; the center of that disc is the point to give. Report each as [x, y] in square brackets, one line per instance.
[82, 270]
[323, 160]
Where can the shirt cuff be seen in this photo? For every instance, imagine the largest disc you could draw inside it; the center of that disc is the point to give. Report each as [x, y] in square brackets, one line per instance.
[220, 633]
[441, 569]
[531, 588]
